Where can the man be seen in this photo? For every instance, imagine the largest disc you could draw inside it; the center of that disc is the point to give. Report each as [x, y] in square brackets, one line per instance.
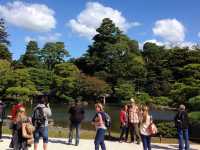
[2, 115]
[134, 121]
[76, 116]
[182, 125]
[40, 120]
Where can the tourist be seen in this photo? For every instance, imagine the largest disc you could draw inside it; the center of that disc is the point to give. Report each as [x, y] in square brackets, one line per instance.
[40, 120]
[2, 115]
[98, 121]
[20, 138]
[76, 116]
[124, 123]
[144, 128]
[14, 110]
[134, 121]
[182, 125]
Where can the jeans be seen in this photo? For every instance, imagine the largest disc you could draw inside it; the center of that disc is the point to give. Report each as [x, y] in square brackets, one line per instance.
[124, 130]
[183, 133]
[136, 132]
[71, 129]
[99, 139]
[41, 132]
[1, 124]
[146, 141]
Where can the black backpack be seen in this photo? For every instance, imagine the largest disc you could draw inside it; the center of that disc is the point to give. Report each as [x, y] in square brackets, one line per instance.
[106, 119]
[38, 118]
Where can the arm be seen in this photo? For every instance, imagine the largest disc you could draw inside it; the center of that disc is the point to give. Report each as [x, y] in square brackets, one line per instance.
[24, 132]
[47, 111]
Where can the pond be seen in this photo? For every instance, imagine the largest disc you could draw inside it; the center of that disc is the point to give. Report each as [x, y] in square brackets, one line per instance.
[60, 115]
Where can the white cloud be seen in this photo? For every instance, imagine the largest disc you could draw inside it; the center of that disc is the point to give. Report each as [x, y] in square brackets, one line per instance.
[36, 17]
[49, 37]
[91, 17]
[171, 30]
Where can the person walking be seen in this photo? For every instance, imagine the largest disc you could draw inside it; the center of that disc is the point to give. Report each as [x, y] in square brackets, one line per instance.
[134, 121]
[15, 108]
[76, 117]
[40, 120]
[182, 125]
[2, 116]
[124, 123]
[99, 122]
[144, 128]
[21, 136]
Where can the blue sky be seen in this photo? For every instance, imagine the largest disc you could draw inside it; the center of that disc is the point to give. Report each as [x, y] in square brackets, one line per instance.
[171, 22]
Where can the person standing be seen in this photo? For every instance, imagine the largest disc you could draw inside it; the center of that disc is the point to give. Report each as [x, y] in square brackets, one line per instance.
[144, 128]
[76, 117]
[134, 121]
[99, 122]
[40, 120]
[2, 115]
[182, 125]
[14, 110]
[124, 123]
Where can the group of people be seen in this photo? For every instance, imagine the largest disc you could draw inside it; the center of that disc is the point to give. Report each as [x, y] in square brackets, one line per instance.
[133, 119]
[136, 121]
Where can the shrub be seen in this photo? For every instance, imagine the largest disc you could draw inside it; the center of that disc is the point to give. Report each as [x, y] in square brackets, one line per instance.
[194, 103]
[164, 101]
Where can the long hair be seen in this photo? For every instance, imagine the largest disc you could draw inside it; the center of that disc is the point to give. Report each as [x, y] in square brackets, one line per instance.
[145, 114]
[99, 105]
[21, 114]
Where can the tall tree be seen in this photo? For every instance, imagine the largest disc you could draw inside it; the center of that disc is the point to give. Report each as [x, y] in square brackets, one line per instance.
[53, 53]
[5, 53]
[31, 56]
[3, 33]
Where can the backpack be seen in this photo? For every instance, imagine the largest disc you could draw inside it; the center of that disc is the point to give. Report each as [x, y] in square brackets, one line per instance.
[1, 112]
[38, 118]
[106, 119]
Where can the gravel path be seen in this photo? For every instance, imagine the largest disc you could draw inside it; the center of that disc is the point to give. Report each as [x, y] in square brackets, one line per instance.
[60, 144]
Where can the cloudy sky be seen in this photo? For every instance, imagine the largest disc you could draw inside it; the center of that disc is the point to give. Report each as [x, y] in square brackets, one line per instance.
[169, 22]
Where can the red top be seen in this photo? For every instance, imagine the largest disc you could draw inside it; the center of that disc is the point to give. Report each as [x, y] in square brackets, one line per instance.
[14, 110]
[123, 117]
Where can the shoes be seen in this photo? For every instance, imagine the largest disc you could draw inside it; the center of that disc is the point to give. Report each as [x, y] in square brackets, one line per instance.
[1, 140]
[69, 143]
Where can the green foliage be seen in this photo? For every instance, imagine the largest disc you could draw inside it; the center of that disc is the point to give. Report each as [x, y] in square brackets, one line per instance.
[5, 53]
[163, 101]
[195, 117]
[3, 33]
[124, 90]
[31, 58]
[52, 54]
[194, 103]
[143, 98]
[166, 129]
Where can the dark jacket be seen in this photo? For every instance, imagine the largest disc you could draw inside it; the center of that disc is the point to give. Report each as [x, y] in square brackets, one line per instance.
[76, 114]
[181, 120]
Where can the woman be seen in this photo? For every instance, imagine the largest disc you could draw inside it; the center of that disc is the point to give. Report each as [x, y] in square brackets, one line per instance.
[144, 129]
[98, 121]
[124, 123]
[21, 136]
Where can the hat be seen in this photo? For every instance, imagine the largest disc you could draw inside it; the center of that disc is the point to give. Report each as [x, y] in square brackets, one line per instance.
[182, 107]
[132, 100]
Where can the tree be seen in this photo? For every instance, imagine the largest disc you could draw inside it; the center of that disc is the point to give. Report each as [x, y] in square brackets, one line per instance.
[31, 58]
[52, 54]
[3, 33]
[4, 52]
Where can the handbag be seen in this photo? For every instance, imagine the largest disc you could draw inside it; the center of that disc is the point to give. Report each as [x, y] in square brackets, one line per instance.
[152, 128]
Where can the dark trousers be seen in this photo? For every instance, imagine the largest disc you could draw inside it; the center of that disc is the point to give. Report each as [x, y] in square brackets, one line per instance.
[146, 141]
[1, 124]
[183, 134]
[124, 130]
[99, 139]
[75, 126]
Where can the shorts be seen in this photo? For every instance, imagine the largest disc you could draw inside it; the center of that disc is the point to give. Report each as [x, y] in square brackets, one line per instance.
[41, 132]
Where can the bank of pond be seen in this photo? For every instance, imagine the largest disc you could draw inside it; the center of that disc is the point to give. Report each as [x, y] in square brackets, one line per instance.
[162, 118]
